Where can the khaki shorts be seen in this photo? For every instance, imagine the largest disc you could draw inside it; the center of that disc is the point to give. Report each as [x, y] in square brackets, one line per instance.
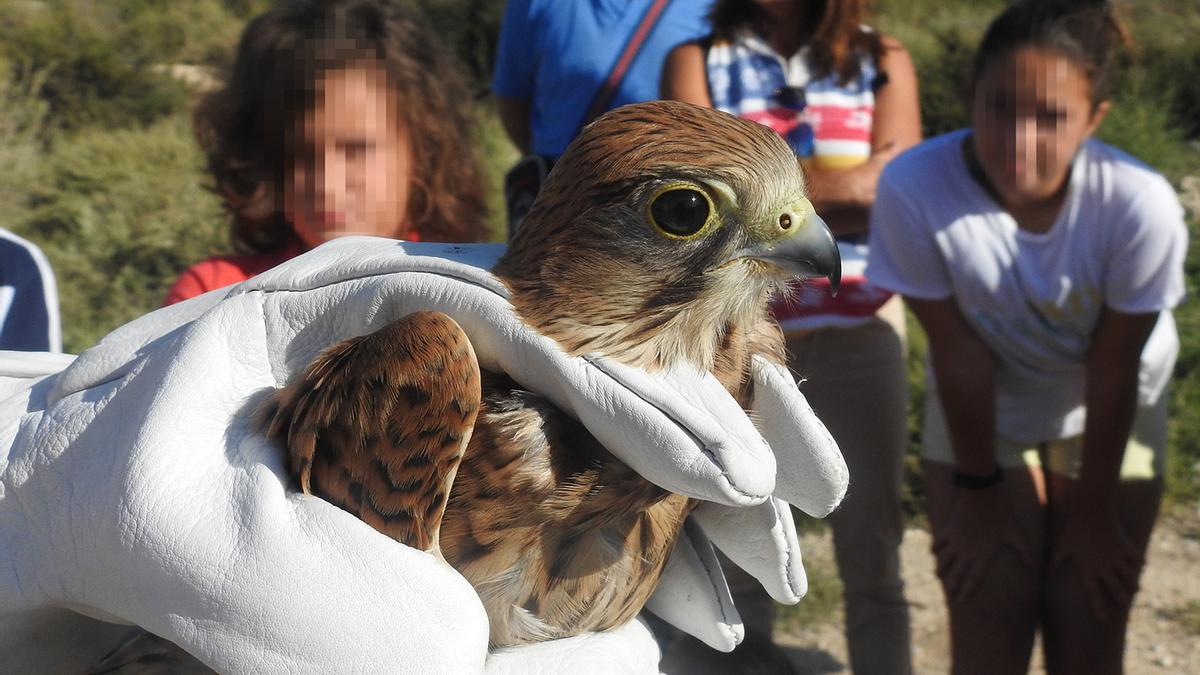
[1145, 453]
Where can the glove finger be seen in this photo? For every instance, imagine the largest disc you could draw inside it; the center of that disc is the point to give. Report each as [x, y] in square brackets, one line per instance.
[723, 458]
[812, 474]
[761, 540]
[693, 596]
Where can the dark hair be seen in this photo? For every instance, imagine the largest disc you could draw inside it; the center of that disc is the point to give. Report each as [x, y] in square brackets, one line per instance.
[245, 126]
[836, 44]
[1082, 30]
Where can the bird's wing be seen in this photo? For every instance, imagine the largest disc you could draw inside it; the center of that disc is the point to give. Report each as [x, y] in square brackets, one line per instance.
[378, 424]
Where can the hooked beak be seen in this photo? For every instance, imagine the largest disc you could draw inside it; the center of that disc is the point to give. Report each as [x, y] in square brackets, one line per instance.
[807, 251]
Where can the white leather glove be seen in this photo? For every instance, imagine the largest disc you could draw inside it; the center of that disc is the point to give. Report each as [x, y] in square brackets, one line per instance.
[134, 489]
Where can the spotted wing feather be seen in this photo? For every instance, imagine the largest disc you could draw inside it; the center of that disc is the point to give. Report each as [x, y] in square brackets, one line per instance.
[378, 424]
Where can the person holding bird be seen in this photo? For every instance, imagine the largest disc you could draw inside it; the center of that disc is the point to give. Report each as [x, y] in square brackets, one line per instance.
[1043, 265]
[339, 118]
[569, 447]
[844, 97]
[547, 434]
[558, 535]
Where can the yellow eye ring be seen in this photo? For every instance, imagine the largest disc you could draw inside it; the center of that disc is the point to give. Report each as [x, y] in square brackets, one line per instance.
[681, 211]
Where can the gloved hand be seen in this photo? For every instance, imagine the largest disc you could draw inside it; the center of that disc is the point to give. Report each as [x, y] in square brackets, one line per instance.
[135, 490]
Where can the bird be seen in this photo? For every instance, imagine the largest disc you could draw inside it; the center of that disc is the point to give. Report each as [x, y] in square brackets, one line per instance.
[657, 241]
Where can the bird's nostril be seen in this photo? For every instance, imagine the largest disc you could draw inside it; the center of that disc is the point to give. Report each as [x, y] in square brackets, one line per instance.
[785, 221]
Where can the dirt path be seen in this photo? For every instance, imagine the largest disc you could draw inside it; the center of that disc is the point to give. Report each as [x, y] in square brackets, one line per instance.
[1164, 635]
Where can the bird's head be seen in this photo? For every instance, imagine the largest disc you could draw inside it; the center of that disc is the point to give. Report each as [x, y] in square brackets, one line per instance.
[663, 227]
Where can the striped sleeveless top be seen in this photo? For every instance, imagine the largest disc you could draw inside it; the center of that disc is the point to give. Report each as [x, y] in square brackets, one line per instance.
[828, 125]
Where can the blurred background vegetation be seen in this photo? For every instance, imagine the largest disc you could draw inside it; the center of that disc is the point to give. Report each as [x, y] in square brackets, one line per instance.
[99, 167]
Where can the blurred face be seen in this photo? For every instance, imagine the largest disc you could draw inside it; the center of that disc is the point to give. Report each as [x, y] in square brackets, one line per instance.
[351, 161]
[1032, 110]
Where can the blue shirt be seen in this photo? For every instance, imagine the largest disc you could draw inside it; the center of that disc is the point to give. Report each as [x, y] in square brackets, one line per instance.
[28, 298]
[558, 53]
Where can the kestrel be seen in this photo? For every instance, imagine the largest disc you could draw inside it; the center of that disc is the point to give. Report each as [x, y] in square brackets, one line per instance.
[658, 239]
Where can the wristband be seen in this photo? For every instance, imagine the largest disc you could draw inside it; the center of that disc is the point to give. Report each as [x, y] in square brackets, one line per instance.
[972, 481]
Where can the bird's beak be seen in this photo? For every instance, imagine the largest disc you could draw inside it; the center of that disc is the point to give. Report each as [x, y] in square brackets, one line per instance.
[805, 250]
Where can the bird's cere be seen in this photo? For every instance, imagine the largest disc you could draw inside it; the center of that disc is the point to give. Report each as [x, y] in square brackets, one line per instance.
[805, 251]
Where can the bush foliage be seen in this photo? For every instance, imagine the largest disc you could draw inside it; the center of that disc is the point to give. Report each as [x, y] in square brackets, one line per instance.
[98, 164]
[120, 213]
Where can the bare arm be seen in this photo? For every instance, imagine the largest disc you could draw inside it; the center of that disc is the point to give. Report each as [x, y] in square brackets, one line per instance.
[1102, 554]
[1111, 399]
[980, 522]
[965, 368]
[844, 196]
[514, 116]
[684, 77]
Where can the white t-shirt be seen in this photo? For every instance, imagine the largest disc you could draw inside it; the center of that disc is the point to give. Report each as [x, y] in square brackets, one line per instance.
[1119, 241]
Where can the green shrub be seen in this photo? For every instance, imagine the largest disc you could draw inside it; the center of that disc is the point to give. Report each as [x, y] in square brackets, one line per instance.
[98, 73]
[820, 606]
[1188, 617]
[1165, 48]
[912, 493]
[120, 214]
[198, 32]
[22, 140]
[470, 29]
[1183, 467]
[941, 39]
[497, 154]
[107, 64]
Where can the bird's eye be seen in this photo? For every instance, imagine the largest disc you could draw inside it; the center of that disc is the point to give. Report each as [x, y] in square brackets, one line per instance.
[681, 212]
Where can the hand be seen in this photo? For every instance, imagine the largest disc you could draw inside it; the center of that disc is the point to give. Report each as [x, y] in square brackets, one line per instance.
[980, 525]
[140, 492]
[1108, 563]
[760, 539]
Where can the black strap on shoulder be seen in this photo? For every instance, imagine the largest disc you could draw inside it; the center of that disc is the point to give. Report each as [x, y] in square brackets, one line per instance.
[609, 89]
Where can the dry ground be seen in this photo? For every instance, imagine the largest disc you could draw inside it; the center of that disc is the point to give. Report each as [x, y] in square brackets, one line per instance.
[1164, 635]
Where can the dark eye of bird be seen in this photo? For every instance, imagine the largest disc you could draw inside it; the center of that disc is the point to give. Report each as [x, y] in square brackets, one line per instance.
[681, 212]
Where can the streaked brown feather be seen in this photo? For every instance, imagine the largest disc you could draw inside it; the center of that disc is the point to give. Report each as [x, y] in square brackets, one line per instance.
[557, 535]
[378, 424]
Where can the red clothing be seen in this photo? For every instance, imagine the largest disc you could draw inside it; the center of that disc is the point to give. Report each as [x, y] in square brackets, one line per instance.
[222, 271]
[226, 270]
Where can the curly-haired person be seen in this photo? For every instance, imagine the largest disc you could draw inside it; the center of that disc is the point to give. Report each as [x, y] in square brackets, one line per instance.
[338, 118]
